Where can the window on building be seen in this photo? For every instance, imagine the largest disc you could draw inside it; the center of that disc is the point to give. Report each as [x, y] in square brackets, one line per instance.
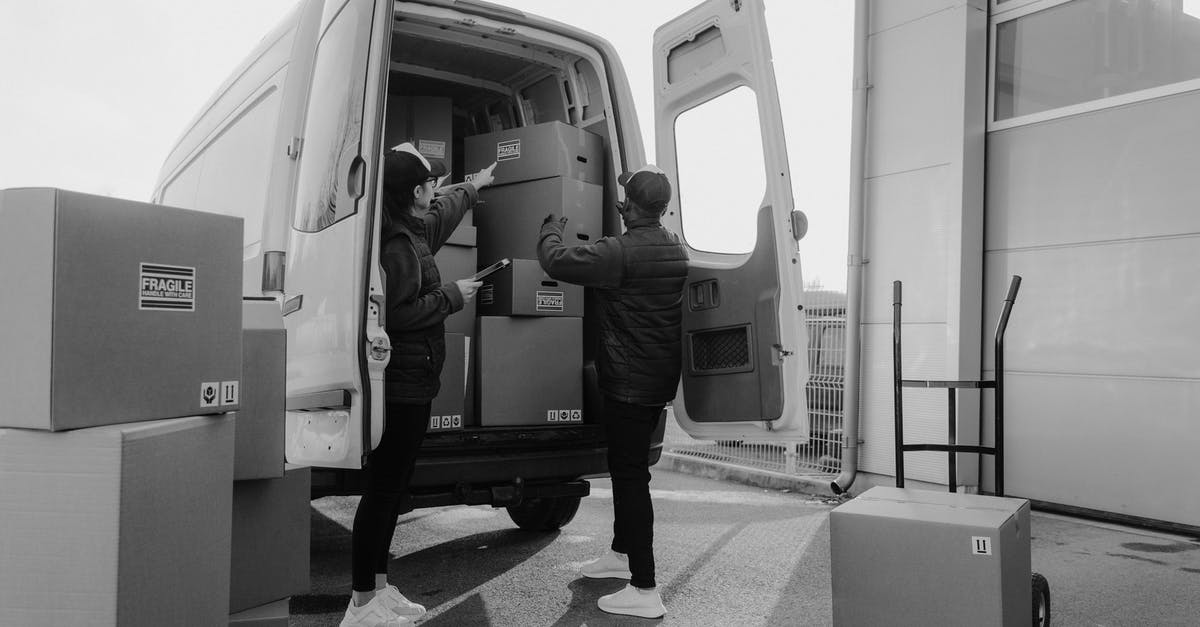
[1087, 50]
[722, 173]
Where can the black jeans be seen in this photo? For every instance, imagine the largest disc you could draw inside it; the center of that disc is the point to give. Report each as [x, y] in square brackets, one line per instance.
[628, 428]
[389, 470]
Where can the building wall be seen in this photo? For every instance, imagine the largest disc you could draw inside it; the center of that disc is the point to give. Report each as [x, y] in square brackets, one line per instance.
[924, 223]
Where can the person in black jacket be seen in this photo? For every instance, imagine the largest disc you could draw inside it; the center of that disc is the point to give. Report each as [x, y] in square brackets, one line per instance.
[639, 279]
[416, 222]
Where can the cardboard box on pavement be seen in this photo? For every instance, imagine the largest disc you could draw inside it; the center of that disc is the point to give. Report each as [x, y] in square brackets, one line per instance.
[259, 441]
[269, 558]
[115, 311]
[917, 557]
[117, 525]
[274, 614]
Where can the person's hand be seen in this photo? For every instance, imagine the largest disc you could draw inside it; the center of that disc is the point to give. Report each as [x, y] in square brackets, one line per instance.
[484, 177]
[467, 288]
[551, 218]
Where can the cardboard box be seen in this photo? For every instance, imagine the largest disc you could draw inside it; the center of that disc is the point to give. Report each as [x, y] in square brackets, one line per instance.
[523, 289]
[426, 121]
[259, 441]
[116, 311]
[117, 525]
[511, 218]
[273, 614]
[548, 389]
[454, 263]
[269, 558]
[536, 152]
[448, 412]
[917, 557]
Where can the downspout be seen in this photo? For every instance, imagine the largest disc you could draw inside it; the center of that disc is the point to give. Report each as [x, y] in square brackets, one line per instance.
[855, 260]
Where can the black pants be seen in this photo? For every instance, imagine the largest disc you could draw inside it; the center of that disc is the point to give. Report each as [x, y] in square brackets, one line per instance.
[389, 470]
[629, 428]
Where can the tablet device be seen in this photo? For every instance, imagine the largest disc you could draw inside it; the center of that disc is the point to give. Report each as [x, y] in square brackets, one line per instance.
[499, 265]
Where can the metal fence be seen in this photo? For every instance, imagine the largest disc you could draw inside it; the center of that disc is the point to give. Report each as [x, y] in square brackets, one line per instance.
[822, 455]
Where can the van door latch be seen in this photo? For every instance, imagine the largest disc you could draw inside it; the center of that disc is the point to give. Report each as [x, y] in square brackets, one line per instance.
[293, 149]
[380, 347]
[781, 350]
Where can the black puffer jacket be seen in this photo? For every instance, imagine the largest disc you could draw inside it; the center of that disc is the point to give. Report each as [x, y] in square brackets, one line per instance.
[639, 276]
[418, 303]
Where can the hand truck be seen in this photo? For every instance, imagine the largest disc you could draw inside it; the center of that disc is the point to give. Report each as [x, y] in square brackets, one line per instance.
[1041, 587]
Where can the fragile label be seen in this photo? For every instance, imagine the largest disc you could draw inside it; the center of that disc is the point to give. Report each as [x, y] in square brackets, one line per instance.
[431, 148]
[453, 421]
[510, 149]
[981, 545]
[229, 392]
[564, 415]
[208, 394]
[548, 301]
[166, 288]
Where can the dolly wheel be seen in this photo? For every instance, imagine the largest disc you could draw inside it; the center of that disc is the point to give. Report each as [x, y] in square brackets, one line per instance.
[1041, 601]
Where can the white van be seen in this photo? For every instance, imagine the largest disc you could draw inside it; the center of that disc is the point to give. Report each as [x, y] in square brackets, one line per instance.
[292, 142]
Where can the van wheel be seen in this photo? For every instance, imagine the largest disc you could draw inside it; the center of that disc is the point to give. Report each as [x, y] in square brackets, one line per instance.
[549, 514]
[1041, 601]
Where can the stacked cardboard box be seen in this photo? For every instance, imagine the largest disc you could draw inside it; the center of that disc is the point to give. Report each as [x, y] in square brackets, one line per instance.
[120, 317]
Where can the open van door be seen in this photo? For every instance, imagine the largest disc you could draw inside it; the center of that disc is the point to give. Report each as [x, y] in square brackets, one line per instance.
[337, 346]
[719, 136]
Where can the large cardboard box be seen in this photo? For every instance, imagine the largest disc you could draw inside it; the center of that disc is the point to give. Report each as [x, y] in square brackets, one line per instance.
[115, 310]
[458, 262]
[274, 614]
[269, 558]
[426, 121]
[547, 389]
[117, 525]
[536, 152]
[259, 441]
[917, 557]
[524, 289]
[512, 216]
[448, 411]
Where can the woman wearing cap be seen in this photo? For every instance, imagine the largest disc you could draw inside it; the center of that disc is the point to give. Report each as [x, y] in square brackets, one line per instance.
[638, 279]
[416, 222]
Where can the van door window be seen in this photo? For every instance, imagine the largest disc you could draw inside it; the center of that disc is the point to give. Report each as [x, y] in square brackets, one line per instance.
[333, 124]
[721, 172]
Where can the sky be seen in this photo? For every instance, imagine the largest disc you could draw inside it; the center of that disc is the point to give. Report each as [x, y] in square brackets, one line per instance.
[94, 94]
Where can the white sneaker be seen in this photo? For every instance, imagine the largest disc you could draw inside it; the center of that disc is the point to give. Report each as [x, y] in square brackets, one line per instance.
[398, 604]
[373, 614]
[612, 566]
[631, 601]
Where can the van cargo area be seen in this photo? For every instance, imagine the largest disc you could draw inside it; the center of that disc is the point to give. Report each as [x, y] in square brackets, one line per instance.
[470, 94]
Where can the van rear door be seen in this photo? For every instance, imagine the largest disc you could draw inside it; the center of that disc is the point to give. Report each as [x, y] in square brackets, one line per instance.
[719, 135]
[337, 346]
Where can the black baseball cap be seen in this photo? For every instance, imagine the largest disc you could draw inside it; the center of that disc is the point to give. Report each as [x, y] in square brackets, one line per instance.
[404, 165]
[648, 187]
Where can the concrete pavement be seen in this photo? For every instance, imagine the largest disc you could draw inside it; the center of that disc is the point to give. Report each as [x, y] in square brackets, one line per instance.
[728, 554]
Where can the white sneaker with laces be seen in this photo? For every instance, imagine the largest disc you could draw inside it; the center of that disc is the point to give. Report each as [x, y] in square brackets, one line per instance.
[631, 601]
[397, 602]
[373, 614]
[612, 566]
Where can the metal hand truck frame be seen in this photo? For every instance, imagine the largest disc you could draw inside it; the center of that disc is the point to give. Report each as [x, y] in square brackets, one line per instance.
[1041, 588]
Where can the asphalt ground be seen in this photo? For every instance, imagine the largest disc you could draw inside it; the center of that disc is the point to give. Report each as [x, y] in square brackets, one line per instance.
[727, 553]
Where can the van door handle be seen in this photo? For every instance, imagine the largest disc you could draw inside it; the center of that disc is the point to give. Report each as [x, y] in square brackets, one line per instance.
[356, 178]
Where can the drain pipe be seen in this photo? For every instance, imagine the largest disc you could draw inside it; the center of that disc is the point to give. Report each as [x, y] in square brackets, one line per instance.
[855, 260]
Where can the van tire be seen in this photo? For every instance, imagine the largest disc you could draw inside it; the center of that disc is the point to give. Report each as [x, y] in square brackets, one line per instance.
[547, 514]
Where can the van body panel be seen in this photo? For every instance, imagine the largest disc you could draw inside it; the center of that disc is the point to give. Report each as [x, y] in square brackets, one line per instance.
[331, 263]
[744, 336]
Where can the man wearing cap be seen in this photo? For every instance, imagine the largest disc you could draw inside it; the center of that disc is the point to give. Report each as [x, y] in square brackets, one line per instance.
[639, 279]
[416, 222]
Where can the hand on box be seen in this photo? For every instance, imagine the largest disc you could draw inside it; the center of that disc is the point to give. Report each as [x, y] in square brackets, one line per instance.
[467, 288]
[551, 218]
[484, 177]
